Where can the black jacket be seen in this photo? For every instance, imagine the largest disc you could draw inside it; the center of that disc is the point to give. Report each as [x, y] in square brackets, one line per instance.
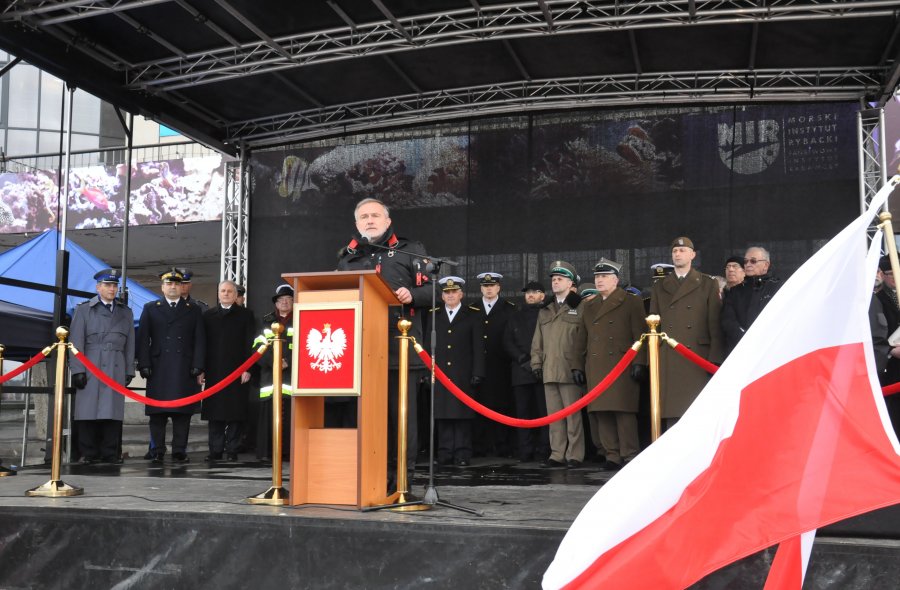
[517, 342]
[743, 305]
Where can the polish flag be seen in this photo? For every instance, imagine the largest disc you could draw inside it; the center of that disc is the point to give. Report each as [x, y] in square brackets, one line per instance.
[790, 434]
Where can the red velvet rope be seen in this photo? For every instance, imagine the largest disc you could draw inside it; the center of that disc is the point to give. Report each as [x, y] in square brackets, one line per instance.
[535, 422]
[695, 358]
[23, 367]
[175, 403]
[711, 368]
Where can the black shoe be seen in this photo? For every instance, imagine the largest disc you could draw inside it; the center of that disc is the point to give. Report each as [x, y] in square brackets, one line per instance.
[462, 463]
[233, 457]
[88, 460]
[113, 460]
[526, 459]
[610, 466]
[573, 464]
[157, 459]
[213, 457]
[149, 455]
[181, 458]
[552, 463]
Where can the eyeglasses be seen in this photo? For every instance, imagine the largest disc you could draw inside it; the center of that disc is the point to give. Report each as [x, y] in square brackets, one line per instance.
[753, 260]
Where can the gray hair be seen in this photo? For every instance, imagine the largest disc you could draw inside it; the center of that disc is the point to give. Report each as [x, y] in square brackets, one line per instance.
[387, 212]
[228, 282]
[766, 256]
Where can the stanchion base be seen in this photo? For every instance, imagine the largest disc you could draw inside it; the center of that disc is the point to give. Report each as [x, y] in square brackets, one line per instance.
[4, 472]
[409, 503]
[55, 488]
[272, 497]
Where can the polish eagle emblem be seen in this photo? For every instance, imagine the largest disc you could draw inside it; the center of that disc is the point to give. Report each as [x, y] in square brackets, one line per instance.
[325, 348]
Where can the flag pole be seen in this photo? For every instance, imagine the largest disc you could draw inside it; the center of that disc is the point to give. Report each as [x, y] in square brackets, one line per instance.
[653, 351]
[889, 242]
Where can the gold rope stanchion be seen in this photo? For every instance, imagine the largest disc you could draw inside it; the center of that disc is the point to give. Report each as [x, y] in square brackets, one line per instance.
[653, 349]
[55, 487]
[275, 495]
[3, 470]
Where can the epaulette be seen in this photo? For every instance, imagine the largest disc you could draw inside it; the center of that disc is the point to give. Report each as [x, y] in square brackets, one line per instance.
[201, 302]
[510, 303]
[474, 308]
[158, 303]
[434, 309]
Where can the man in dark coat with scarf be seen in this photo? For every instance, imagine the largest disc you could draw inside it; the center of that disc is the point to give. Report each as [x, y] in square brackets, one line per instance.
[171, 354]
[103, 330]
[528, 391]
[229, 334]
[401, 264]
[746, 301]
[459, 353]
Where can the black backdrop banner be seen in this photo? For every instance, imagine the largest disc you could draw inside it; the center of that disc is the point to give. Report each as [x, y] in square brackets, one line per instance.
[513, 194]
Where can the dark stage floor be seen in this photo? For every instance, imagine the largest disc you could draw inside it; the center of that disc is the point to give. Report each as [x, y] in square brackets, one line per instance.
[140, 525]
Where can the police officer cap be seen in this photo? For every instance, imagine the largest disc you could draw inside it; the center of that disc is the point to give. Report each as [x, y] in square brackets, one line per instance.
[534, 286]
[452, 283]
[173, 275]
[186, 274]
[682, 242]
[241, 290]
[661, 269]
[607, 267]
[587, 289]
[490, 278]
[283, 289]
[108, 275]
[564, 269]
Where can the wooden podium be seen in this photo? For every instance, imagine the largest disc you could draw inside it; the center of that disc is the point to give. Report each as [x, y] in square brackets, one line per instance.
[343, 465]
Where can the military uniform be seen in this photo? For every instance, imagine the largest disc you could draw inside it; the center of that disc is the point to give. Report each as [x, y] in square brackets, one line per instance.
[690, 313]
[172, 344]
[460, 354]
[612, 325]
[491, 437]
[106, 337]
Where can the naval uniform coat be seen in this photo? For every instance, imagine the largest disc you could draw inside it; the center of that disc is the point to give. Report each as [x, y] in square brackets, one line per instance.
[612, 326]
[690, 313]
[107, 340]
[460, 354]
[171, 342]
[229, 334]
[495, 392]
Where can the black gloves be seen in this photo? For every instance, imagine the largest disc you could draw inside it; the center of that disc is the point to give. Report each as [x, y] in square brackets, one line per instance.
[476, 381]
[145, 372]
[195, 371]
[538, 374]
[578, 377]
[79, 380]
[639, 373]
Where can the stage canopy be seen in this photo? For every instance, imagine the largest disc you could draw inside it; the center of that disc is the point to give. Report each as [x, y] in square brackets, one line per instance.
[233, 72]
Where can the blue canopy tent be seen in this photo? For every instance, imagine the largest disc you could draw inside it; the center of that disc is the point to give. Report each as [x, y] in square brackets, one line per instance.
[35, 261]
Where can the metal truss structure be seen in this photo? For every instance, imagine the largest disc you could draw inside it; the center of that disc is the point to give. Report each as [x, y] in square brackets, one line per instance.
[872, 159]
[516, 97]
[235, 223]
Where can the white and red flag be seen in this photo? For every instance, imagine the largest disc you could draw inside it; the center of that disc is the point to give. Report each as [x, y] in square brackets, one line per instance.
[789, 435]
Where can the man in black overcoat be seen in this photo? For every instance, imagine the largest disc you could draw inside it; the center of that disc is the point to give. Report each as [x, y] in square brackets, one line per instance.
[229, 335]
[171, 355]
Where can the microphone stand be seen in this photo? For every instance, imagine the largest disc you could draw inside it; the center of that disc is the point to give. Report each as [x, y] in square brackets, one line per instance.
[432, 266]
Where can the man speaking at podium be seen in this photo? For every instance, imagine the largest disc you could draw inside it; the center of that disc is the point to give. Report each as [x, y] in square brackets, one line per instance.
[400, 263]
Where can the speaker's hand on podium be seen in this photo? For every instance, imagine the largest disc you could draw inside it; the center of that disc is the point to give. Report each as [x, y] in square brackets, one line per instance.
[404, 295]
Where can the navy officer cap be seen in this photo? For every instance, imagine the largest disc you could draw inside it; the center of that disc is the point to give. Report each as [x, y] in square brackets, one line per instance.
[173, 275]
[490, 278]
[452, 283]
[108, 275]
[186, 274]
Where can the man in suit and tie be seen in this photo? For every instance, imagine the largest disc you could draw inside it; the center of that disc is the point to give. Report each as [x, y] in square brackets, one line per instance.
[171, 354]
[689, 306]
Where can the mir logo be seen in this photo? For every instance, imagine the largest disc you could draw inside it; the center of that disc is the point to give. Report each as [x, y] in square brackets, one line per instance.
[749, 147]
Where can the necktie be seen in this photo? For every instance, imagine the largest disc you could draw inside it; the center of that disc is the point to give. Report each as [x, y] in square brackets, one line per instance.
[109, 307]
[173, 304]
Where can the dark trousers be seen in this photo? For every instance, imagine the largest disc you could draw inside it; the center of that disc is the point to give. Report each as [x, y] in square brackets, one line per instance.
[530, 404]
[181, 426]
[99, 438]
[454, 440]
[264, 429]
[225, 436]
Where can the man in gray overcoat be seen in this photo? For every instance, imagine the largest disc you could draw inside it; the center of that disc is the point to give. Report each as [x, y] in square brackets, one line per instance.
[613, 321]
[103, 330]
[688, 304]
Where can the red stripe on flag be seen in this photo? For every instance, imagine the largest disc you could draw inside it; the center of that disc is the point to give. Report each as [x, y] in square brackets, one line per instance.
[786, 572]
[808, 449]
